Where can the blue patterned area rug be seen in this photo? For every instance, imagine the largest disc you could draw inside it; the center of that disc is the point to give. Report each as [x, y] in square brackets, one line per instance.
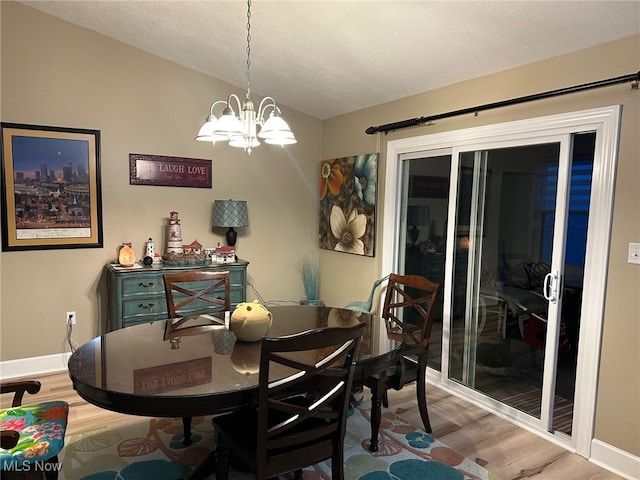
[152, 449]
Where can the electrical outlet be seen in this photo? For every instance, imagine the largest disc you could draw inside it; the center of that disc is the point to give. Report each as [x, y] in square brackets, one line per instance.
[71, 318]
[634, 253]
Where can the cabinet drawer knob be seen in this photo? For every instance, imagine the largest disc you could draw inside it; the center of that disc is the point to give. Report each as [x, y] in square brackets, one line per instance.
[146, 285]
[148, 307]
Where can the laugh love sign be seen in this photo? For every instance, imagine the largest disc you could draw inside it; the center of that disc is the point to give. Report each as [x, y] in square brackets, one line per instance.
[169, 171]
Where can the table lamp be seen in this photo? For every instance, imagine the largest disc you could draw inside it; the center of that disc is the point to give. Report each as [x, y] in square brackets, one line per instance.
[230, 213]
[417, 215]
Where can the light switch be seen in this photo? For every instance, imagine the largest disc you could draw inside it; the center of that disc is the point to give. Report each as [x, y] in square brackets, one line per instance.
[634, 253]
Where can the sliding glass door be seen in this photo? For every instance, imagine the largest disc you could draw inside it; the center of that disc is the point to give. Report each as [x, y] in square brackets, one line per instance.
[503, 207]
[506, 219]
[516, 287]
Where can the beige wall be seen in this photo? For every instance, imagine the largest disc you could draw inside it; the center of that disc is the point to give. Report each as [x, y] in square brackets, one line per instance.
[618, 409]
[54, 73]
[143, 104]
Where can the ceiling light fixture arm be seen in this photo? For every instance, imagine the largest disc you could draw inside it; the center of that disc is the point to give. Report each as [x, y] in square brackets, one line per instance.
[238, 102]
[216, 103]
[264, 105]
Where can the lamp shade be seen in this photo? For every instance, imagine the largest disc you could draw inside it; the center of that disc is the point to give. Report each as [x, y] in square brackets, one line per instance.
[244, 141]
[206, 133]
[276, 131]
[230, 213]
[283, 139]
[228, 124]
[418, 215]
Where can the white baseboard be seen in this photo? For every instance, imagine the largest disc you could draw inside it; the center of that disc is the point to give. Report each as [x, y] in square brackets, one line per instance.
[34, 366]
[615, 460]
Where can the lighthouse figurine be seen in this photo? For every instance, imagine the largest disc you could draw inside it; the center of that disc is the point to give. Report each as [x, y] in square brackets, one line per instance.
[150, 249]
[174, 244]
[149, 253]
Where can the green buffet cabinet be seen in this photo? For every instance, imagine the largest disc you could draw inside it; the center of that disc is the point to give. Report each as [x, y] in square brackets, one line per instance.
[137, 295]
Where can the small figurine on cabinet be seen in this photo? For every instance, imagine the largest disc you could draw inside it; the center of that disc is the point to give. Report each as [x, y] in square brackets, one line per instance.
[174, 244]
[149, 254]
[225, 254]
[193, 247]
[177, 253]
[150, 248]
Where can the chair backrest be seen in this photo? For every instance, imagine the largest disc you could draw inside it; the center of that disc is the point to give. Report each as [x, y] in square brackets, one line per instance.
[303, 397]
[536, 271]
[31, 435]
[367, 305]
[408, 308]
[10, 438]
[197, 292]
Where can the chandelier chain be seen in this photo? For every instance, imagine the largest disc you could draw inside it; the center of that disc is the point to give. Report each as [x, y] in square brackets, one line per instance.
[248, 48]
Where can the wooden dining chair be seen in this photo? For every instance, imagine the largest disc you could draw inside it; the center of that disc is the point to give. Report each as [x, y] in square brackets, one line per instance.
[299, 417]
[408, 315]
[31, 435]
[193, 293]
[196, 292]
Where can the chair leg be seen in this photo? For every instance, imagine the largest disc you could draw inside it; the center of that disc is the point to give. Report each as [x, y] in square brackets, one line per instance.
[52, 473]
[204, 468]
[222, 463]
[421, 391]
[186, 430]
[378, 392]
[337, 465]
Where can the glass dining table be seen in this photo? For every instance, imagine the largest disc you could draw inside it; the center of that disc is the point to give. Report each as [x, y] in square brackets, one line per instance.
[196, 366]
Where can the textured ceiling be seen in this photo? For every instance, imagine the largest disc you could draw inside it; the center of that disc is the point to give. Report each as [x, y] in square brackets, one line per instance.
[326, 58]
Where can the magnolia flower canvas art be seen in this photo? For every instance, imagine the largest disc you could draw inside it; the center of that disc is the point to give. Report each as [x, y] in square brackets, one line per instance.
[348, 193]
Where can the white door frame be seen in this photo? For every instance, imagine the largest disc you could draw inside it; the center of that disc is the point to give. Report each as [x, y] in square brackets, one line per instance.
[606, 123]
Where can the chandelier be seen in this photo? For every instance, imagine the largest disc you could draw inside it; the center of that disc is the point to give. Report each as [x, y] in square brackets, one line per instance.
[241, 130]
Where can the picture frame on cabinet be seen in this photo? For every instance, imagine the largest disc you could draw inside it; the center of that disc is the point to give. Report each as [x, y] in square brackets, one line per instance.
[51, 187]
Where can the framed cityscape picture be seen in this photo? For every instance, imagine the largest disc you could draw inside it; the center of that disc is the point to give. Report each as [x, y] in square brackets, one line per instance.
[51, 194]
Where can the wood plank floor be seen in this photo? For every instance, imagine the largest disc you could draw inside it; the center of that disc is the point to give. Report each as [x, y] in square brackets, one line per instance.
[505, 449]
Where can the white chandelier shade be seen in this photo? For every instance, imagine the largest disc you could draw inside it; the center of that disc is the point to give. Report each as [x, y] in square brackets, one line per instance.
[275, 130]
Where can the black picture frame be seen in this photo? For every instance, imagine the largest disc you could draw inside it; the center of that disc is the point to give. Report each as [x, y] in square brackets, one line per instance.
[63, 209]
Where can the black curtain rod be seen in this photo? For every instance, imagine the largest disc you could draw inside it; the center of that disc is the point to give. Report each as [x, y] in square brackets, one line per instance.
[413, 122]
